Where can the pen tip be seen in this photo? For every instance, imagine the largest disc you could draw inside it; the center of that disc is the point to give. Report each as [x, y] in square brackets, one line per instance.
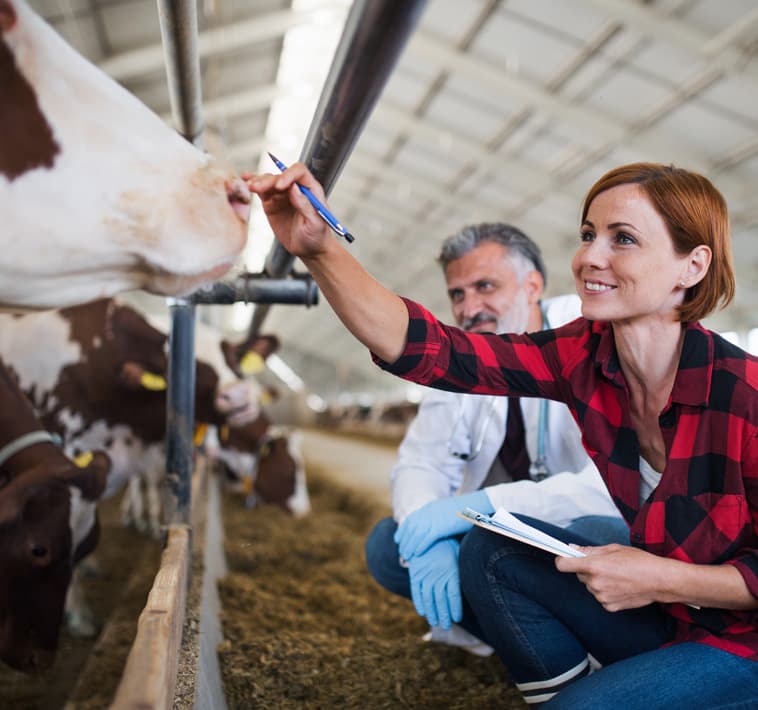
[271, 155]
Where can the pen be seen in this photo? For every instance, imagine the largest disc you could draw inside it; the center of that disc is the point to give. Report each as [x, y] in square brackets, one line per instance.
[323, 212]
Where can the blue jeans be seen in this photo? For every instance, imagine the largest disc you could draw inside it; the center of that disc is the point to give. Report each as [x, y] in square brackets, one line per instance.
[601, 529]
[543, 624]
[382, 556]
[383, 559]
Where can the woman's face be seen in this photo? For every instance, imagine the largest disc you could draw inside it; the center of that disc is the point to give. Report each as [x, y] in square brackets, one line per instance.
[626, 267]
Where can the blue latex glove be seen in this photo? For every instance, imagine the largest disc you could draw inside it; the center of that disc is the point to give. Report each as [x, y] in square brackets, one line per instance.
[437, 520]
[436, 584]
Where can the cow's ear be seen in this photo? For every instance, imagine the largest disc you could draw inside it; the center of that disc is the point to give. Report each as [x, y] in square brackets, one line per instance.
[13, 499]
[135, 377]
[10, 507]
[7, 16]
[257, 352]
[252, 363]
[266, 345]
[232, 357]
[90, 474]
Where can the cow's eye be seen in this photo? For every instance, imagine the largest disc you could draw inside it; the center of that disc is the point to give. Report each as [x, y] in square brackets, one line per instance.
[39, 551]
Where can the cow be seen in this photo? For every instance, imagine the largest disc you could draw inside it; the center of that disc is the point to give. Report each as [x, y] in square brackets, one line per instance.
[48, 522]
[274, 475]
[96, 376]
[97, 194]
[263, 461]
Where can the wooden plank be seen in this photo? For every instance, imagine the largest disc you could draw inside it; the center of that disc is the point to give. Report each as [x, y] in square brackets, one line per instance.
[150, 673]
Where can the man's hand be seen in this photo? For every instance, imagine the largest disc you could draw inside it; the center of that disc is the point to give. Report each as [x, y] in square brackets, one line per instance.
[296, 224]
[438, 520]
[436, 585]
[618, 576]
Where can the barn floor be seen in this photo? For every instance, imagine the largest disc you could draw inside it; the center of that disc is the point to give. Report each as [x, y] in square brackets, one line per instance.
[304, 623]
[87, 671]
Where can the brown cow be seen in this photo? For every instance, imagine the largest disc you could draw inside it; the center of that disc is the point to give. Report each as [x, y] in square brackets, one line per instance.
[47, 523]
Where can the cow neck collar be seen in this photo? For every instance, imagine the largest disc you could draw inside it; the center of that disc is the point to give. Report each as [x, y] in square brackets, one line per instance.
[19, 444]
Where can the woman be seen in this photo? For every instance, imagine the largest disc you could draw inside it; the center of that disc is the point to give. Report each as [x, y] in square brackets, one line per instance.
[669, 414]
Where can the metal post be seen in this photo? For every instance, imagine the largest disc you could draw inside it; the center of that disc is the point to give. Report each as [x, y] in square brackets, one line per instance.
[178, 21]
[180, 409]
[374, 35]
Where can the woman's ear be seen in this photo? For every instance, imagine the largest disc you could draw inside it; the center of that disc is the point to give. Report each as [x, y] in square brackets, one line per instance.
[698, 263]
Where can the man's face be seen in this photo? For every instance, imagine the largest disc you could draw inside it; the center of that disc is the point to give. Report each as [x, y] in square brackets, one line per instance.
[485, 293]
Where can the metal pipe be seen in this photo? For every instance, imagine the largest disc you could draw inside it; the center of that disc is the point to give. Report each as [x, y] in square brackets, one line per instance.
[374, 35]
[260, 288]
[180, 409]
[178, 21]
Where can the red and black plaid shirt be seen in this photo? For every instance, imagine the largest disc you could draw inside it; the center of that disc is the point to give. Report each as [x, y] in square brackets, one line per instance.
[705, 508]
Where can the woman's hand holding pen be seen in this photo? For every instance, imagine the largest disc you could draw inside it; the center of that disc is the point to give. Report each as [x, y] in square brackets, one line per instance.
[296, 224]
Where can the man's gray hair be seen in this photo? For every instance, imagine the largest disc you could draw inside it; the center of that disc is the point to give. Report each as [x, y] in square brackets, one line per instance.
[471, 236]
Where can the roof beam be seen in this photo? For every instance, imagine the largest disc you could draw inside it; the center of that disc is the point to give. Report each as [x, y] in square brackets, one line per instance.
[226, 38]
[718, 49]
[609, 130]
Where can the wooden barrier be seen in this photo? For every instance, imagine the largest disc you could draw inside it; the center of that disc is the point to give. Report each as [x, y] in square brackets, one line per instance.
[150, 673]
[149, 677]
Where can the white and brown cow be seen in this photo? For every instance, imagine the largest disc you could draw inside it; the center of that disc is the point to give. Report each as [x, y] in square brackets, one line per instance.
[48, 522]
[97, 194]
[96, 375]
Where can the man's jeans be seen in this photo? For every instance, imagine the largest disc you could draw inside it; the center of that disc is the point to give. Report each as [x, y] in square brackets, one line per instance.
[382, 557]
[543, 624]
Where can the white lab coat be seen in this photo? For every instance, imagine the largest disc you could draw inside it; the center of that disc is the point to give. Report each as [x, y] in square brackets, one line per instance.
[427, 469]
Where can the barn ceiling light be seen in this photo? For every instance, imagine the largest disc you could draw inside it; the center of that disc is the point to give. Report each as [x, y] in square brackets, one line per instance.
[307, 52]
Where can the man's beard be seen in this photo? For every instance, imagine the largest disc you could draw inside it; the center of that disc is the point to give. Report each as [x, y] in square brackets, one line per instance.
[515, 320]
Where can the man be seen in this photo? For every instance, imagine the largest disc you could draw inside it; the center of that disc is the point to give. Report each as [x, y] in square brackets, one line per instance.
[456, 453]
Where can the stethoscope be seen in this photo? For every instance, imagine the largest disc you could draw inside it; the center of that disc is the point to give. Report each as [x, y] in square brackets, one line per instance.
[537, 468]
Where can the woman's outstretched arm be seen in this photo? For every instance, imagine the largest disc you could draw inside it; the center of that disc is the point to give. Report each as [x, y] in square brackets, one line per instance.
[373, 314]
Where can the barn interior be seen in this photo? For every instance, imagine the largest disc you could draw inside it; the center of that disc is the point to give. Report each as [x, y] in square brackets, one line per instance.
[494, 110]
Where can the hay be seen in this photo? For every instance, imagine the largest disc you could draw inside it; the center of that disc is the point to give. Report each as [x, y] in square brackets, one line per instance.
[305, 624]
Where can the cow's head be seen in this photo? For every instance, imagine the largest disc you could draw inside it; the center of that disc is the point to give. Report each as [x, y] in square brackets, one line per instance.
[47, 523]
[248, 358]
[280, 476]
[88, 171]
[235, 449]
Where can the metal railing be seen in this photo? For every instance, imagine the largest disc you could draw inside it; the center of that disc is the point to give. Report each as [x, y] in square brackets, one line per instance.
[374, 35]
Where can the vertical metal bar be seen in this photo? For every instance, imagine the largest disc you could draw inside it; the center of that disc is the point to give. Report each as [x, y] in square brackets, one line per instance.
[374, 36]
[180, 409]
[178, 21]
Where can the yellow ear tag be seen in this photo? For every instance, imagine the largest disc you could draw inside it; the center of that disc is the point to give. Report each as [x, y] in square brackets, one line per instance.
[83, 460]
[251, 363]
[153, 382]
[200, 431]
[223, 434]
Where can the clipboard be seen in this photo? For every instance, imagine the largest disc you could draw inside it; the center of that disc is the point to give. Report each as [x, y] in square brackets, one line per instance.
[503, 523]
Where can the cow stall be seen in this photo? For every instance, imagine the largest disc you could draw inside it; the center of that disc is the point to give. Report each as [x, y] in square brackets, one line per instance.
[172, 659]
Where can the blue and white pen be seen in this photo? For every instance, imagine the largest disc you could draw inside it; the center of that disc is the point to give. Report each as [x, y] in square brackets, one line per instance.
[323, 212]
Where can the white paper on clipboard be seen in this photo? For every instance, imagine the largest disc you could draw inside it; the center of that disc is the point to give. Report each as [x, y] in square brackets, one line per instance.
[504, 523]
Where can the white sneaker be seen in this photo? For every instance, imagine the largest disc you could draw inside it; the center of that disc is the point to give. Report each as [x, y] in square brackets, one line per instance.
[458, 636]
